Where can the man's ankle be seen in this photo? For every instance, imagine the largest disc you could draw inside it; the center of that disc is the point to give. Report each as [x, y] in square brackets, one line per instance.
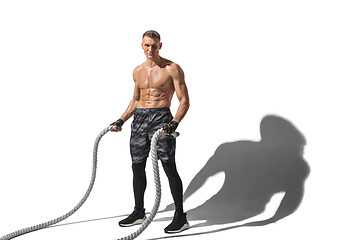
[139, 209]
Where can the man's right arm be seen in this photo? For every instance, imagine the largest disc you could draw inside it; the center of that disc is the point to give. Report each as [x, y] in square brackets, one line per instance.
[133, 103]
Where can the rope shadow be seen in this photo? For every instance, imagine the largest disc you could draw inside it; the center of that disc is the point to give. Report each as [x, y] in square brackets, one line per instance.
[90, 220]
[86, 221]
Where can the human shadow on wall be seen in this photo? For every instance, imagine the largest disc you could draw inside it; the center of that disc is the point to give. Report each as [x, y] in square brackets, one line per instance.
[254, 172]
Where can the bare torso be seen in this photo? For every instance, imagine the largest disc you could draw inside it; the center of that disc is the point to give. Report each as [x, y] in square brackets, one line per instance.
[155, 84]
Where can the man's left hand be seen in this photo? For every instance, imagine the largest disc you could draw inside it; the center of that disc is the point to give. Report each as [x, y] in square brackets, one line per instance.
[170, 127]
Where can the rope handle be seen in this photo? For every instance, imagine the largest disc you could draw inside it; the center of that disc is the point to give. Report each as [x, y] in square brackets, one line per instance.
[175, 134]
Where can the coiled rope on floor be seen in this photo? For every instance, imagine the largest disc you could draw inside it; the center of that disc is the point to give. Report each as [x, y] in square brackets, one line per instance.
[143, 226]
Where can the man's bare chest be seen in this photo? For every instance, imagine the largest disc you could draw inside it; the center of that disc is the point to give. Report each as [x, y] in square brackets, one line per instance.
[154, 78]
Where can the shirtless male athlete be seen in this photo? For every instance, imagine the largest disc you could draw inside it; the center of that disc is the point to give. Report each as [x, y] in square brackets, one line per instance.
[156, 80]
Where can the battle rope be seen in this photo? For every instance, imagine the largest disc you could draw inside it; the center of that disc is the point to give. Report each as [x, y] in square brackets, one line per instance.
[143, 226]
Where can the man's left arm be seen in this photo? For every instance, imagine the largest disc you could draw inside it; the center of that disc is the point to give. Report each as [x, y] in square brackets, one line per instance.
[177, 75]
[181, 91]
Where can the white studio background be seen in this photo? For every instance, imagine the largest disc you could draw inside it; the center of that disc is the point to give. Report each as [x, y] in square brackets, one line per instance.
[66, 73]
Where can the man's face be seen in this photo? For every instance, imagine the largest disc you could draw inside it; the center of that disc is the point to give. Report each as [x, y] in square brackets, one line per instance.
[151, 47]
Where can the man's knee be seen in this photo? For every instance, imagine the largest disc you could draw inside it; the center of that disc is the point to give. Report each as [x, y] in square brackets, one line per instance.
[139, 169]
[170, 169]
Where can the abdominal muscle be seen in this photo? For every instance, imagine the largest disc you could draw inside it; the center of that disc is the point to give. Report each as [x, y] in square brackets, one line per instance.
[154, 98]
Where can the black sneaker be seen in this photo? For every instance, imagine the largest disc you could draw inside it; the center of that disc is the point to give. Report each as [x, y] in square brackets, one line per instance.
[178, 224]
[135, 218]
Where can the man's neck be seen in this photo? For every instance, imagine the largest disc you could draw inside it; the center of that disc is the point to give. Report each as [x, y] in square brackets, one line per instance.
[153, 62]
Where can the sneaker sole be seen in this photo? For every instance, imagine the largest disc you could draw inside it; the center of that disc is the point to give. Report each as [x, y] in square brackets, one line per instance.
[137, 222]
[183, 228]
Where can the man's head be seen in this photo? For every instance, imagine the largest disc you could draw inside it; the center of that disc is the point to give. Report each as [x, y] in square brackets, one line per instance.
[151, 34]
[151, 44]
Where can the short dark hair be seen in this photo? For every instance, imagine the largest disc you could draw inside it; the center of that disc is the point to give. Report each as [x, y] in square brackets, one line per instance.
[152, 34]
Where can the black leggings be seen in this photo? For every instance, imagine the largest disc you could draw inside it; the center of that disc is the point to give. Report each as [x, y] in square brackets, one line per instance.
[146, 122]
[139, 184]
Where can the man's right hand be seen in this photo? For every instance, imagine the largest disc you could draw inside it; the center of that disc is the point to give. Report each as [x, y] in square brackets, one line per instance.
[117, 125]
[116, 129]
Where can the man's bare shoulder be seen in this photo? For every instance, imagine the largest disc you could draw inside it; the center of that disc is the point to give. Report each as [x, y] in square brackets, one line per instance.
[138, 68]
[137, 71]
[174, 69]
[173, 66]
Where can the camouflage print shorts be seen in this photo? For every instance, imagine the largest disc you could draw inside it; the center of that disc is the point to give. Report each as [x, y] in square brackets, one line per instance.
[146, 122]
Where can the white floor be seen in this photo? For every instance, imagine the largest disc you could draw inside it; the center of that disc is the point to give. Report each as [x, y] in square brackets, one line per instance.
[107, 229]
